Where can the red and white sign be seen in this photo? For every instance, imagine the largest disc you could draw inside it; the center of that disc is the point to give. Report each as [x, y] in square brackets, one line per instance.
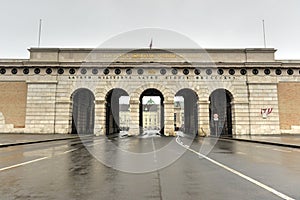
[265, 112]
[216, 117]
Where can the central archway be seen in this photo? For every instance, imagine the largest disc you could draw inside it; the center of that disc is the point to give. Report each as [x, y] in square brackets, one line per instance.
[151, 113]
[83, 111]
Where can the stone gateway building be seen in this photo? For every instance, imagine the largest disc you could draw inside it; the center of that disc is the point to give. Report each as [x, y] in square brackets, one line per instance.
[225, 91]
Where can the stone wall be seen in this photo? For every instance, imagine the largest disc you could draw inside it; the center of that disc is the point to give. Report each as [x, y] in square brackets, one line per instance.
[289, 109]
[46, 101]
[13, 102]
[40, 111]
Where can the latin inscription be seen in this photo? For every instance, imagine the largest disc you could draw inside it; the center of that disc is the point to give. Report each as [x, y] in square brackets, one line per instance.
[156, 77]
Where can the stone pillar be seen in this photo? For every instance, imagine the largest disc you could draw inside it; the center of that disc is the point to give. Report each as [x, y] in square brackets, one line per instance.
[99, 124]
[5, 128]
[41, 107]
[63, 117]
[134, 116]
[2, 120]
[203, 118]
[240, 118]
[263, 95]
[169, 117]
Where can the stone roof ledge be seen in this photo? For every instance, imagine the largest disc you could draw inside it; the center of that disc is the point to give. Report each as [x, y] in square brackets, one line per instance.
[151, 55]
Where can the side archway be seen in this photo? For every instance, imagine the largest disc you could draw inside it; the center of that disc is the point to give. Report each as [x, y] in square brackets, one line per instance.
[83, 111]
[186, 111]
[220, 112]
[117, 111]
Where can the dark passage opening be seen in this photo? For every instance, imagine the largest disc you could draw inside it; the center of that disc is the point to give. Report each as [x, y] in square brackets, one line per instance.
[220, 113]
[186, 111]
[83, 112]
[117, 111]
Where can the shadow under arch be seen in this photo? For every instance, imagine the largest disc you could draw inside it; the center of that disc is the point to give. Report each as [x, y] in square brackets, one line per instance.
[220, 112]
[186, 111]
[117, 116]
[152, 109]
[83, 111]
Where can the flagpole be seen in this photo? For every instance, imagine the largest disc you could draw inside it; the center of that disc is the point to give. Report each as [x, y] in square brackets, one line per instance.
[264, 33]
[40, 31]
[150, 45]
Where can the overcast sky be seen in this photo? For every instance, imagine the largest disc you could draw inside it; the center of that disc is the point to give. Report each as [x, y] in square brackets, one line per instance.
[210, 23]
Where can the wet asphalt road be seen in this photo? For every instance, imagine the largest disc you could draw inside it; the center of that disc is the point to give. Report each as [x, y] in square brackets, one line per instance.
[67, 170]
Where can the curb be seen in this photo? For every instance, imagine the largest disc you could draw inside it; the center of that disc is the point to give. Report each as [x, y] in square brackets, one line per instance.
[37, 141]
[263, 142]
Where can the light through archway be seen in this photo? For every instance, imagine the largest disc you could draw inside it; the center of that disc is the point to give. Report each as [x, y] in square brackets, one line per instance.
[151, 120]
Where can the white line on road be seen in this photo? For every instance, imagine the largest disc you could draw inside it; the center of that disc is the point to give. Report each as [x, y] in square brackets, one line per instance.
[32, 161]
[241, 153]
[24, 163]
[95, 143]
[277, 193]
[281, 150]
[259, 146]
[69, 151]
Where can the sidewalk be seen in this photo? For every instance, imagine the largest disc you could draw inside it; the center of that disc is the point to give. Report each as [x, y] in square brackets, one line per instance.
[21, 139]
[281, 140]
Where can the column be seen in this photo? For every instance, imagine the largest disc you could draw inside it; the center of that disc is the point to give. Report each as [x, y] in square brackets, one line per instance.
[41, 107]
[240, 118]
[134, 116]
[99, 124]
[169, 117]
[203, 118]
[63, 116]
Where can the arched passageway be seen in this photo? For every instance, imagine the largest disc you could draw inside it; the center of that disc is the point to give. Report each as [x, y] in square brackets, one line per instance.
[151, 114]
[117, 111]
[186, 111]
[220, 112]
[83, 111]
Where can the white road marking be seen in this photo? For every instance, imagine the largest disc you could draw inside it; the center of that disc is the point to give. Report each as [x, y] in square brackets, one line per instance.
[24, 163]
[154, 150]
[258, 146]
[277, 193]
[32, 161]
[95, 143]
[281, 150]
[69, 151]
[241, 153]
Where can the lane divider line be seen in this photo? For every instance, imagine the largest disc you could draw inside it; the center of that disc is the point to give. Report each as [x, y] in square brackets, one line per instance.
[35, 160]
[281, 150]
[264, 147]
[42, 158]
[24, 163]
[268, 188]
[95, 143]
[69, 151]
